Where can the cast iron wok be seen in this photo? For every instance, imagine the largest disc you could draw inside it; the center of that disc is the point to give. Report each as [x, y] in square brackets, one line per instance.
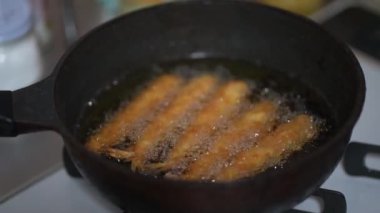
[185, 30]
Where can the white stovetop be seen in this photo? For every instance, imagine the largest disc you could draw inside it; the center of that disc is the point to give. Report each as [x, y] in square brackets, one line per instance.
[60, 193]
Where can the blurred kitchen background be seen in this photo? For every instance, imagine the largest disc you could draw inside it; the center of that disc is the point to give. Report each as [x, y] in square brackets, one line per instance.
[54, 26]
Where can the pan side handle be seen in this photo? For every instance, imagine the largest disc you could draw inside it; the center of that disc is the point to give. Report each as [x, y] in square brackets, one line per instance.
[29, 109]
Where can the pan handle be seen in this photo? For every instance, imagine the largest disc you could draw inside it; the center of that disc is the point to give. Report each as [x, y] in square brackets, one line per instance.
[28, 109]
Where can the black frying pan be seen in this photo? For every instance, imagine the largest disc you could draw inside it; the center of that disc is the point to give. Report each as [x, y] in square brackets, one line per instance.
[185, 30]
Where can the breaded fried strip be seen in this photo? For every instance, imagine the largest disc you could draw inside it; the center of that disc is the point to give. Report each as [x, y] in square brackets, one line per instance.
[253, 125]
[119, 154]
[223, 104]
[186, 102]
[269, 151]
[115, 130]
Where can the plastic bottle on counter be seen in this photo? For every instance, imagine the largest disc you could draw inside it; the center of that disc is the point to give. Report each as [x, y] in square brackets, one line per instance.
[20, 57]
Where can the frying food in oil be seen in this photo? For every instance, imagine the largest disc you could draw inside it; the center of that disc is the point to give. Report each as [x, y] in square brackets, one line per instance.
[127, 118]
[269, 151]
[246, 130]
[202, 128]
[187, 101]
[222, 106]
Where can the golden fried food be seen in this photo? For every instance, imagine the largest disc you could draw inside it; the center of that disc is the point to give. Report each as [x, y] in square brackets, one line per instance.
[187, 101]
[221, 107]
[206, 128]
[118, 128]
[271, 150]
[121, 155]
[251, 126]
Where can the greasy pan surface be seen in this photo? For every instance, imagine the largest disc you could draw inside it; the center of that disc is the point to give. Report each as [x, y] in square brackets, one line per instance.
[210, 29]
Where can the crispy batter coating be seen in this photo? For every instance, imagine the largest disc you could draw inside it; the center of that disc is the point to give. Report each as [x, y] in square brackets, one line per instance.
[122, 155]
[227, 100]
[187, 101]
[201, 130]
[251, 126]
[271, 150]
[118, 128]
